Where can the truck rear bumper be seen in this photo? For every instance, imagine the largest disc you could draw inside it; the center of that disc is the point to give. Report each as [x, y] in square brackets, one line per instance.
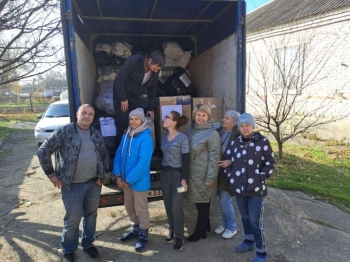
[111, 195]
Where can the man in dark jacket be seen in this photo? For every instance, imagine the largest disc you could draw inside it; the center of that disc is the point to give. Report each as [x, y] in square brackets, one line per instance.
[82, 160]
[136, 86]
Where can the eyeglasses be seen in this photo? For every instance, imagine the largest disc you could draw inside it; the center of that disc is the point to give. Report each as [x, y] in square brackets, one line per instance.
[169, 117]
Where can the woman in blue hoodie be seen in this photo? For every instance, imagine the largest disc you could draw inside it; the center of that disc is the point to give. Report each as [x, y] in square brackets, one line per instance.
[131, 171]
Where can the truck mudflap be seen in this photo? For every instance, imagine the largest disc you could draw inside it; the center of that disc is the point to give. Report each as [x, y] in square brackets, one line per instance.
[113, 196]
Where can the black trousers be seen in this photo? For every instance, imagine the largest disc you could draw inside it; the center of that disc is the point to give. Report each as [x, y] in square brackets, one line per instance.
[203, 219]
[121, 118]
[173, 201]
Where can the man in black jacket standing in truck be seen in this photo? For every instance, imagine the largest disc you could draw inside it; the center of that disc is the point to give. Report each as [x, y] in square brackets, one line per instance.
[136, 86]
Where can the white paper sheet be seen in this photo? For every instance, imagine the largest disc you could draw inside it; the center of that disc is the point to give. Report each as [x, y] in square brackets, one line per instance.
[185, 79]
[108, 127]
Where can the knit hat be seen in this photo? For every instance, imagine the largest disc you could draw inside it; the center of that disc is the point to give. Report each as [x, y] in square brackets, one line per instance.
[246, 118]
[139, 113]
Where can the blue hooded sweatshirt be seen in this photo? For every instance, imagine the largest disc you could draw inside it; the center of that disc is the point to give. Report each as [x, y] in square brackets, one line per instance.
[133, 158]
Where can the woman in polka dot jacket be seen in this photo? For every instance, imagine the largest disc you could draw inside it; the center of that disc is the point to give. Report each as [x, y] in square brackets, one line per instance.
[252, 163]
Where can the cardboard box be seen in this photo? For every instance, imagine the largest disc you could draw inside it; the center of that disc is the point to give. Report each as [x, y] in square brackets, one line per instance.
[217, 112]
[213, 102]
[167, 104]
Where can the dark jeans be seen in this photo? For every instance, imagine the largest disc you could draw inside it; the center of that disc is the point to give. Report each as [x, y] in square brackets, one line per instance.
[81, 202]
[252, 209]
[121, 119]
[173, 201]
[203, 220]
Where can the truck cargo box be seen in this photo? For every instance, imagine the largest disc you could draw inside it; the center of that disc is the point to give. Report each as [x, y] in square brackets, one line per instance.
[214, 32]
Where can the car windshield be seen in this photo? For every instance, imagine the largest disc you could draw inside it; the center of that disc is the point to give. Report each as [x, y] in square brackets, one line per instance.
[57, 111]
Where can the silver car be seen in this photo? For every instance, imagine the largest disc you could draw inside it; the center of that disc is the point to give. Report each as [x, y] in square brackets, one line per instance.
[55, 116]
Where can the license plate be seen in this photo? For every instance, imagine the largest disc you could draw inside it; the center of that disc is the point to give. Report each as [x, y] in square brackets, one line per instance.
[154, 193]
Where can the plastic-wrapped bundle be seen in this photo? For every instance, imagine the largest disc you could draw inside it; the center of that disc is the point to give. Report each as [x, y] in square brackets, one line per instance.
[102, 53]
[107, 73]
[112, 55]
[121, 49]
[182, 61]
[172, 50]
[103, 47]
[104, 100]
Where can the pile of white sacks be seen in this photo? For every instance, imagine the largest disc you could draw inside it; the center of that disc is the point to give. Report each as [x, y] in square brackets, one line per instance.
[120, 49]
[174, 54]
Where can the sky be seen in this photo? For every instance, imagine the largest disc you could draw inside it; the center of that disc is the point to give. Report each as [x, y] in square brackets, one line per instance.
[253, 4]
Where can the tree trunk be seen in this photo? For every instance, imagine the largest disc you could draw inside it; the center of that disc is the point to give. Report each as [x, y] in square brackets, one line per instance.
[280, 149]
[31, 102]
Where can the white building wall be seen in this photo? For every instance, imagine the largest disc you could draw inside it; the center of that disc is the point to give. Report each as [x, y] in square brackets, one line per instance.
[327, 62]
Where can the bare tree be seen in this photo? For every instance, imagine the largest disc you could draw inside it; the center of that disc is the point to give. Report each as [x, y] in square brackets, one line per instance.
[28, 29]
[52, 80]
[291, 77]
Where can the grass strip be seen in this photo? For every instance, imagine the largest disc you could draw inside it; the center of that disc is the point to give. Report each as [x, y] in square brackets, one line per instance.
[320, 171]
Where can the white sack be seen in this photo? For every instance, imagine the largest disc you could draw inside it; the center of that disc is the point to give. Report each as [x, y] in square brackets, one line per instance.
[121, 49]
[172, 50]
[103, 47]
[182, 61]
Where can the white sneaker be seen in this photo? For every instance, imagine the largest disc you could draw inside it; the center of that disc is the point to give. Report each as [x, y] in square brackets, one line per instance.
[228, 233]
[219, 230]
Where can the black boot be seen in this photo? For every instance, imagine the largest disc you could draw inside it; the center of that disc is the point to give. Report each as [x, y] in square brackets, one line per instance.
[134, 233]
[196, 236]
[209, 228]
[143, 238]
[68, 257]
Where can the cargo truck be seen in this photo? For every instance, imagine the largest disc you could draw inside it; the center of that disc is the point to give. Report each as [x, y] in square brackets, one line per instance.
[213, 30]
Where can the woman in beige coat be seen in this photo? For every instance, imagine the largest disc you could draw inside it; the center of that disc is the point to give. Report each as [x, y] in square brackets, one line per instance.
[203, 171]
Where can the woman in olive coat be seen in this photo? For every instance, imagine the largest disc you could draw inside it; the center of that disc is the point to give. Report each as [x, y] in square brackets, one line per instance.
[203, 170]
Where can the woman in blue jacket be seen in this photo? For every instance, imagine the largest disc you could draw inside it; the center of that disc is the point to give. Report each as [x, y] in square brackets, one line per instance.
[131, 172]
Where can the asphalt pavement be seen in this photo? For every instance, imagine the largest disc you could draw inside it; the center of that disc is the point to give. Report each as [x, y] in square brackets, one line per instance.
[300, 228]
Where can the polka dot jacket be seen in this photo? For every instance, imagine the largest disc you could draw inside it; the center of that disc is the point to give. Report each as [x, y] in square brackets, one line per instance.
[252, 163]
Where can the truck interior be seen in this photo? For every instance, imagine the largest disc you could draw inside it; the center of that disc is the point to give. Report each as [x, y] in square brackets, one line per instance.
[202, 26]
